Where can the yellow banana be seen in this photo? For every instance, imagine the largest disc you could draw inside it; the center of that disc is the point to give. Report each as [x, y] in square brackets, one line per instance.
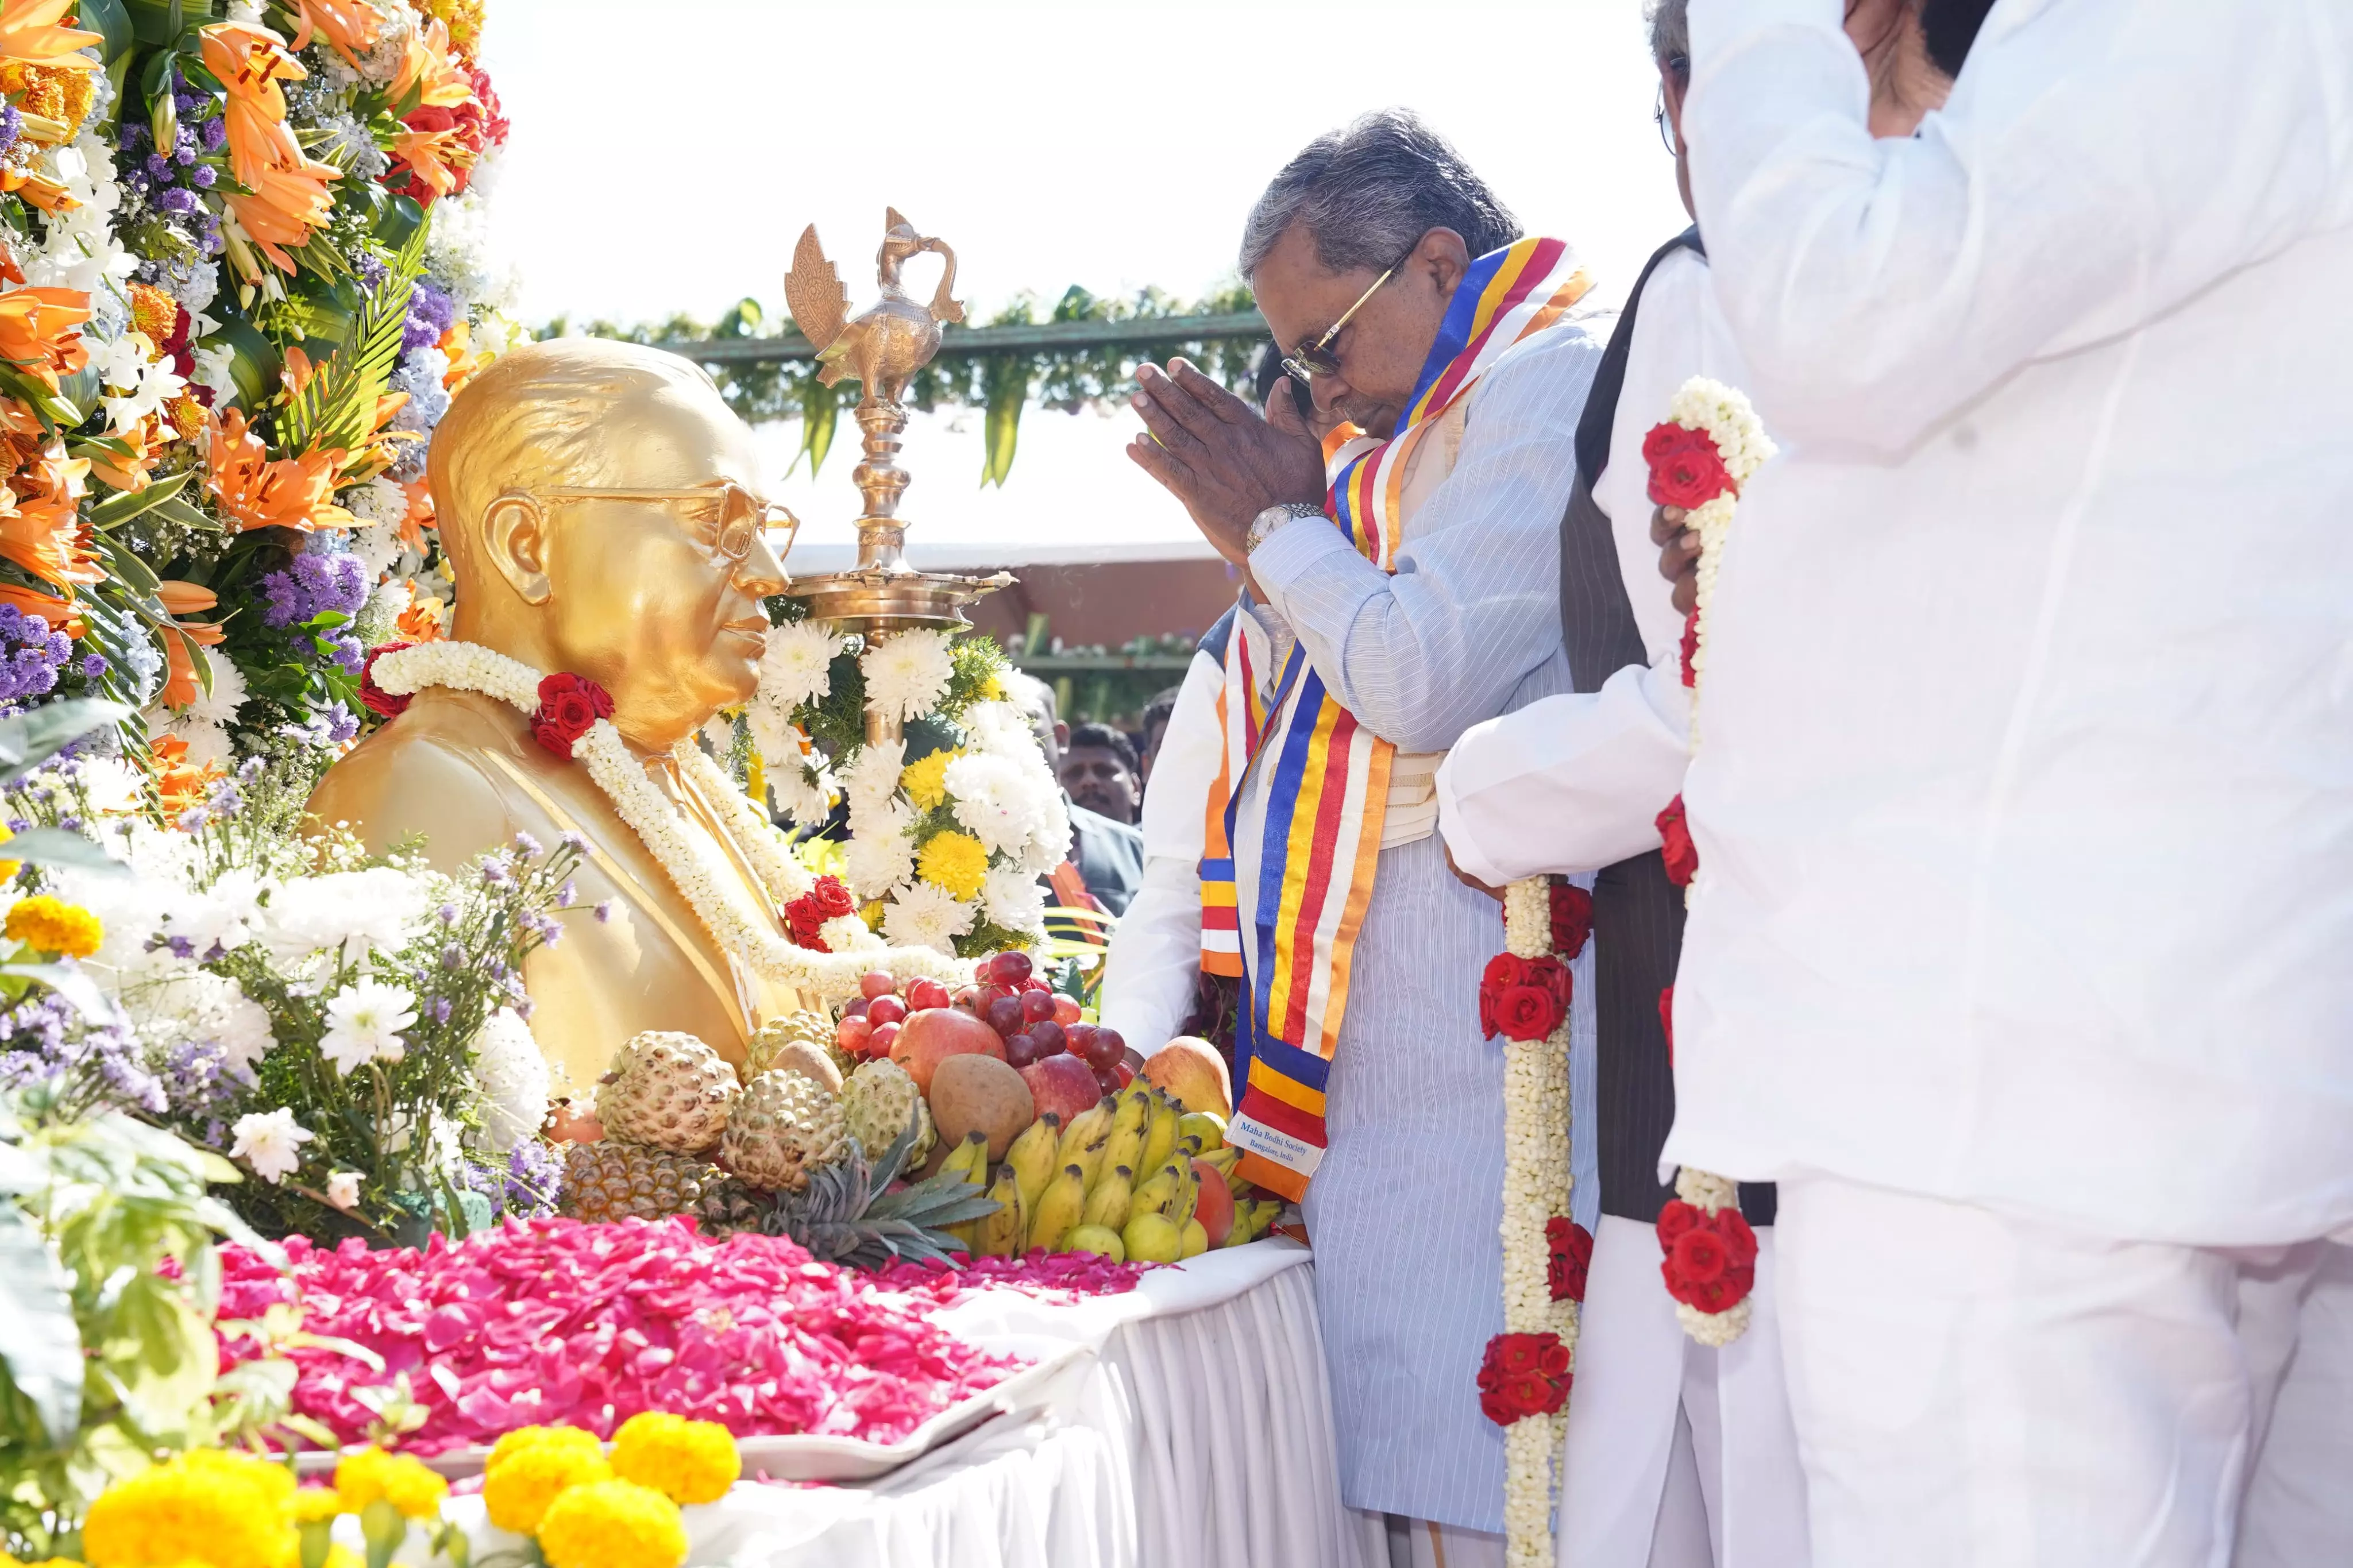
[1156, 1195]
[1087, 1126]
[968, 1159]
[1031, 1157]
[1263, 1214]
[1207, 1124]
[1129, 1124]
[1223, 1160]
[1059, 1208]
[1161, 1141]
[1002, 1233]
[1091, 1159]
[1109, 1200]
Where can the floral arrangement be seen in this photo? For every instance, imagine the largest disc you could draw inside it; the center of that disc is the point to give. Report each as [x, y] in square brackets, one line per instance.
[555, 1321]
[1710, 446]
[348, 1030]
[952, 826]
[1524, 1379]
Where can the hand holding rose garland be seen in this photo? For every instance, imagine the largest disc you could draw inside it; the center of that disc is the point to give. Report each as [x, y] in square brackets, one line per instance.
[571, 717]
[1712, 443]
[1524, 1382]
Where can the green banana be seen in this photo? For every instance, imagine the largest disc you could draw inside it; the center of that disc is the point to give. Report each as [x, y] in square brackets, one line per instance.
[1109, 1200]
[1088, 1125]
[1059, 1208]
[1031, 1157]
[1002, 1233]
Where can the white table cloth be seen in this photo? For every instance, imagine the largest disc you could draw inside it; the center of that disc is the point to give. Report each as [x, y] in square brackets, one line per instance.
[1198, 1429]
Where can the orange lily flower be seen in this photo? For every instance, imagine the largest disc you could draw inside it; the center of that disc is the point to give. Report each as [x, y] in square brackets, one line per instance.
[38, 189]
[180, 683]
[9, 271]
[350, 26]
[58, 613]
[186, 598]
[437, 157]
[40, 332]
[420, 515]
[180, 786]
[250, 61]
[130, 473]
[29, 31]
[421, 621]
[47, 538]
[427, 66]
[291, 492]
[286, 207]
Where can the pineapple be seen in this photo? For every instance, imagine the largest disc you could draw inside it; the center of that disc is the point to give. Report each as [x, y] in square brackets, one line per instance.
[667, 1090]
[728, 1206]
[844, 1214]
[768, 1042]
[616, 1179]
[782, 1128]
[877, 1103]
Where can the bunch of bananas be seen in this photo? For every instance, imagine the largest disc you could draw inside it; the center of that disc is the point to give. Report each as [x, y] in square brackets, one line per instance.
[1076, 1188]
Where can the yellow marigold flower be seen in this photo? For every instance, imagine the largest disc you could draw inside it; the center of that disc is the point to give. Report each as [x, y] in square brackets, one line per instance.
[55, 926]
[510, 1444]
[612, 1524]
[686, 1461]
[925, 779]
[872, 913]
[518, 1489]
[206, 1507]
[955, 861]
[7, 870]
[994, 690]
[342, 1556]
[316, 1505]
[400, 1479]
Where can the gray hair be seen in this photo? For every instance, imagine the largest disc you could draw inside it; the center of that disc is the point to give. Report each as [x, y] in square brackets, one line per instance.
[1369, 193]
[1670, 32]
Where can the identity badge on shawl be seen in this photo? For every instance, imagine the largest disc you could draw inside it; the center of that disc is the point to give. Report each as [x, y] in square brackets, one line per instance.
[1325, 776]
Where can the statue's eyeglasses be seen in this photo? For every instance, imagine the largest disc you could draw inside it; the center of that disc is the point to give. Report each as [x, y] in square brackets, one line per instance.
[737, 516]
[1317, 358]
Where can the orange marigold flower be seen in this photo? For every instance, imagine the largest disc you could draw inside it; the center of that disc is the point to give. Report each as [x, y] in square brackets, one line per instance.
[154, 312]
[291, 492]
[40, 332]
[186, 415]
[55, 98]
[30, 32]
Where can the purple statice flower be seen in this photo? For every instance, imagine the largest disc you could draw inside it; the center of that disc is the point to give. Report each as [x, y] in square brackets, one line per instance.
[158, 166]
[603, 910]
[196, 1078]
[30, 654]
[348, 652]
[128, 139]
[341, 723]
[430, 313]
[215, 132]
[12, 126]
[566, 896]
[440, 1008]
[98, 1065]
[315, 582]
[447, 914]
[93, 666]
[175, 199]
[202, 176]
[527, 846]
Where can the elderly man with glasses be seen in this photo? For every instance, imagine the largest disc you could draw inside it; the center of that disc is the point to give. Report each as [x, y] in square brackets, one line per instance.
[1395, 601]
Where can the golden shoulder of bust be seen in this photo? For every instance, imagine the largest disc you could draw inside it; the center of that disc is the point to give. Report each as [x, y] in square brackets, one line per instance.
[585, 492]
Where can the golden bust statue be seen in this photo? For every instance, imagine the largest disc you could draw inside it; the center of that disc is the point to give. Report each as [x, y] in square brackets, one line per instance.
[598, 502]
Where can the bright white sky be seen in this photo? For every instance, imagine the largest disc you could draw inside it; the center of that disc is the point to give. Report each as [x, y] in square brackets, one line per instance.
[666, 157]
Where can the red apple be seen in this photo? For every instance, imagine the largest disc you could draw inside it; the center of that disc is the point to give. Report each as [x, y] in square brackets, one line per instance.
[1062, 1084]
[927, 994]
[886, 1010]
[1124, 1073]
[1067, 1011]
[929, 1037]
[1214, 1206]
[874, 983]
[1190, 1069]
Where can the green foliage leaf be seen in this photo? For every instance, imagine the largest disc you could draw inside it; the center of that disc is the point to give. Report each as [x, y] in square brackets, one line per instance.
[336, 408]
[39, 1342]
[28, 740]
[57, 847]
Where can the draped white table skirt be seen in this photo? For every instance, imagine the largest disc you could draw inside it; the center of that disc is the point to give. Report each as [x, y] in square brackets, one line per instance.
[1198, 1431]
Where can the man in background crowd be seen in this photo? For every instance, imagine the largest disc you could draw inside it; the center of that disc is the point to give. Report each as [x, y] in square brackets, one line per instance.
[1099, 772]
[1156, 728]
[1106, 855]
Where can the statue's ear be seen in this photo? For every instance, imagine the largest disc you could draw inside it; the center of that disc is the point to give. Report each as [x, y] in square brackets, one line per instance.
[514, 536]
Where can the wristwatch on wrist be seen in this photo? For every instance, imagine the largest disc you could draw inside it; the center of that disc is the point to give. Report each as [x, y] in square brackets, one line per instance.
[1263, 525]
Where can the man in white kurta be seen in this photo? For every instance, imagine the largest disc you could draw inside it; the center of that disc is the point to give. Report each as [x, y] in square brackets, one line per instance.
[2024, 805]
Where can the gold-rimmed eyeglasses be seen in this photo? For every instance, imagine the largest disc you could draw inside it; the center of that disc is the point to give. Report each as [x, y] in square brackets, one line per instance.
[740, 515]
[1317, 358]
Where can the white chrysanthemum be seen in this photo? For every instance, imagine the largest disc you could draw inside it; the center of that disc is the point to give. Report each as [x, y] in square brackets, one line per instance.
[925, 916]
[220, 705]
[719, 734]
[799, 792]
[996, 800]
[880, 857]
[872, 779]
[1049, 846]
[1013, 899]
[358, 911]
[344, 1189]
[205, 743]
[110, 785]
[907, 673]
[269, 1143]
[999, 729]
[364, 1024]
[847, 933]
[795, 669]
[511, 1077]
[186, 1005]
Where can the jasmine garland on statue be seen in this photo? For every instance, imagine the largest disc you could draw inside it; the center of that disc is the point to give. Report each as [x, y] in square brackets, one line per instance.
[1370, 254]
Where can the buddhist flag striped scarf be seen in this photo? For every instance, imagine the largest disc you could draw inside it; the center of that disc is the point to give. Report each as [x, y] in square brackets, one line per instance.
[1325, 776]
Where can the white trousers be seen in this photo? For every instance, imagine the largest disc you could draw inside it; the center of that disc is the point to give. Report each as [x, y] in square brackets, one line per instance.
[1972, 1390]
[1679, 1456]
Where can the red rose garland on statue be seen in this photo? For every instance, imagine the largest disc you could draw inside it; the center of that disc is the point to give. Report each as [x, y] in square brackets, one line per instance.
[805, 916]
[377, 698]
[569, 705]
[1711, 445]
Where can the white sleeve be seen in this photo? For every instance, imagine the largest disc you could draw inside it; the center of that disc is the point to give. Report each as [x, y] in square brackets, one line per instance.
[1568, 783]
[2099, 162]
[1155, 954]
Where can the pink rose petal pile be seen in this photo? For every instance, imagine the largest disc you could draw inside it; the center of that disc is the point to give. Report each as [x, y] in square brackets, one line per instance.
[552, 1320]
[1049, 1275]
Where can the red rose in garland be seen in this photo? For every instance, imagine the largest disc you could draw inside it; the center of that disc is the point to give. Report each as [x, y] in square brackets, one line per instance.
[1523, 998]
[1710, 1259]
[1690, 647]
[1674, 835]
[1686, 470]
[1523, 1375]
[569, 706]
[1572, 919]
[1570, 1248]
[378, 699]
[805, 915]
